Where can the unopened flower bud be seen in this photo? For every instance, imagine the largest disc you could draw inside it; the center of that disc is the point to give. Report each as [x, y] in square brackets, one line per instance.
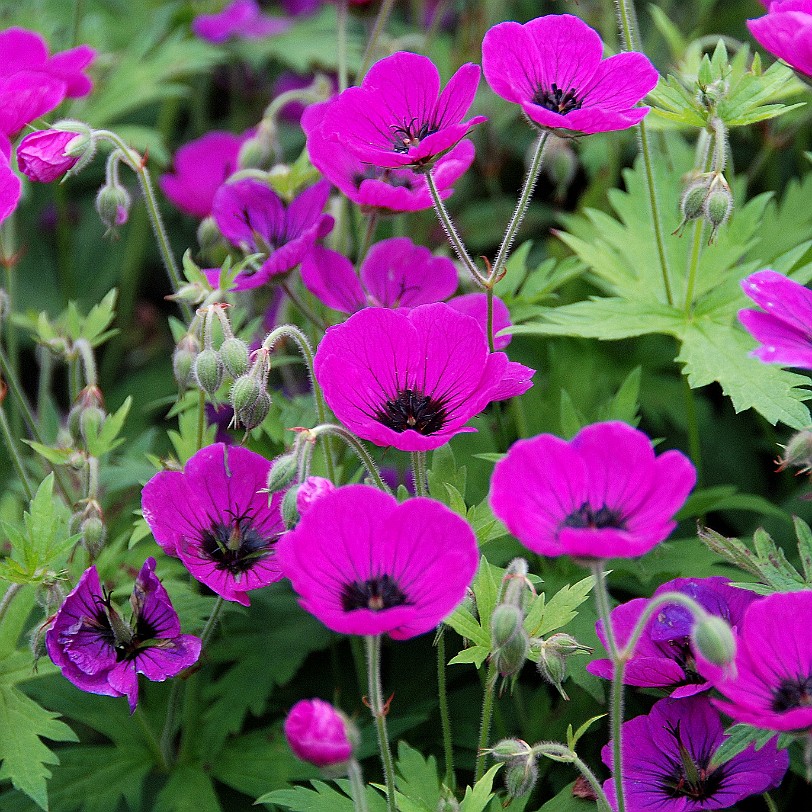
[253, 417]
[510, 750]
[521, 777]
[448, 803]
[319, 734]
[234, 352]
[244, 394]
[46, 155]
[714, 640]
[183, 359]
[718, 205]
[290, 513]
[313, 488]
[282, 473]
[258, 152]
[208, 371]
[515, 584]
[87, 414]
[113, 205]
[93, 535]
[693, 200]
[510, 657]
[506, 623]
[208, 235]
[798, 452]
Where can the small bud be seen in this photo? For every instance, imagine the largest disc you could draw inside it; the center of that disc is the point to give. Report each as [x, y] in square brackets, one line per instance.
[510, 657]
[208, 371]
[448, 804]
[282, 473]
[506, 623]
[320, 734]
[113, 205]
[87, 414]
[714, 640]
[515, 584]
[290, 513]
[183, 359]
[208, 235]
[510, 750]
[46, 155]
[313, 488]
[93, 535]
[521, 777]
[244, 394]
[258, 152]
[718, 205]
[234, 352]
[692, 200]
[798, 453]
[253, 417]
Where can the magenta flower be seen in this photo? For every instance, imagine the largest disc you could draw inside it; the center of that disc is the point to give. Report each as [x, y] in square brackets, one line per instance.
[398, 117]
[317, 733]
[770, 684]
[253, 217]
[313, 488]
[10, 186]
[663, 657]
[387, 190]
[100, 652]
[786, 32]
[476, 306]
[395, 273]
[388, 568]
[785, 328]
[552, 68]
[240, 18]
[601, 495]
[200, 169]
[412, 379]
[216, 519]
[32, 83]
[667, 763]
[41, 155]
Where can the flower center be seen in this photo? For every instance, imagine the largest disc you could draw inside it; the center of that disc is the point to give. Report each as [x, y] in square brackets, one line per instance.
[689, 778]
[375, 594]
[793, 693]
[587, 517]
[557, 99]
[405, 136]
[412, 410]
[235, 547]
[128, 642]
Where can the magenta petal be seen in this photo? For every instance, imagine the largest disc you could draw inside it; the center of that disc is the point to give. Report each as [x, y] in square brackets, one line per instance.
[505, 62]
[457, 96]
[10, 186]
[476, 306]
[25, 96]
[782, 342]
[786, 34]
[69, 66]
[619, 82]
[331, 278]
[22, 50]
[782, 297]
[305, 209]
[246, 209]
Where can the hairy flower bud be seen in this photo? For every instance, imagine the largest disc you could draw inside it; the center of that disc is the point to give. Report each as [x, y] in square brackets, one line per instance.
[521, 777]
[253, 417]
[234, 352]
[714, 640]
[87, 414]
[448, 803]
[313, 488]
[510, 750]
[183, 359]
[718, 205]
[290, 513]
[798, 452]
[208, 236]
[506, 624]
[282, 473]
[244, 394]
[113, 205]
[208, 371]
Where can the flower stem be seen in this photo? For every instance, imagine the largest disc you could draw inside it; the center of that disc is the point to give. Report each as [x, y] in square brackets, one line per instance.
[419, 468]
[489, 322]
[485, 723]
[11, 445]
[693, 265]
[380, 24]
[355, 444]
[769, 802]
[369, 234]
[7, 598]
[451, 231]
[152, 741]
[379, 711]
[559, 752]
[304, 307]
[357, 786]
[201, 418]
[445, 716]
[694, 444]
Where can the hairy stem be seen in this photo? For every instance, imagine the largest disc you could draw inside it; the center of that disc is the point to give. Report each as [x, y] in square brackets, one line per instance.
[379, 710]
[445, 716]
[419, 468]
[357, 786]
[13, 452]
[485, 722]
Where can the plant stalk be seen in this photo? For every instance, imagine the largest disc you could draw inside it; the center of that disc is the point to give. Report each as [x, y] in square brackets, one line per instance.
[485, 723]
[379, 710]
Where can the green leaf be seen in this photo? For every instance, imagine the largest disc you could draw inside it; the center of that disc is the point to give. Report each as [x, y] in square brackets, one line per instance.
[739, 738]
[416, 780]
[479, 797]
[322, 798]
[473, 654]
[565, 801]
[558, 610]
[107, 437]
[189, 789]
[804, 535]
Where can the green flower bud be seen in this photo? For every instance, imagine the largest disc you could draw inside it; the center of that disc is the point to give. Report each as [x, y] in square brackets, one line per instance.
[282, 473]
[719, 205]
[798, 453]
[253, 417]
[448, 803]
[93, 535]
[521, 777]
[183, 359]
[113, 205]
[90, 423]
[87, 414]
[208, 235]
[510, 750]
[244, 393]
[714, 640]
[290, 513]
[510, 657]
[552, 667]
[506, 624]
[208, 371]
[234, 352]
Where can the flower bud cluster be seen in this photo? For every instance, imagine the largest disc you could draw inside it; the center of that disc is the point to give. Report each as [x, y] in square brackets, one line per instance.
[521, 769]
[88, 524]
[706, 196]
[510, 643]
[87, 415]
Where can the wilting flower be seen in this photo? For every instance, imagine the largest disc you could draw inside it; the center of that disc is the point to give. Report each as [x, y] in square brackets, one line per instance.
[387, 190]
[785, 328]
[317, 733]
[388, 568]
[600, 495]
[552, 67]
[9, 182]
[663, 657]
[786, 31]
[32, 83]
[253, 217]
[200, 169]
[412, 379]
[668, 767]
[770, 685]
[398, 117]
[41, 155]
[241, 18]
[100, 652]
[216, 519]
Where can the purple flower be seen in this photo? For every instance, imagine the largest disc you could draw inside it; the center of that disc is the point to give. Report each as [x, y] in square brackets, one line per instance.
[388, 568]
[398, 117]
[317, 733]
[216, 519]
[41, 155]
[601, 495]
[100, 652]
[552, 67]
[412, 379]
[395, 273]
[32, 83]
[10, 186]
[785, 329]
[241, 18]
[200, 169]
[313, 488]
[786, 31]
[253, 217]
[388, 190]
[770, 685]
[663, 657]
[667, 763]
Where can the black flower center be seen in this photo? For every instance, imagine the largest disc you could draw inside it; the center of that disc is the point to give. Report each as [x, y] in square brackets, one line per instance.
[376, 594]
[127, 641]
[405, 136]
[557, 99]
[235, 547]
[587, 517]
[689, 778]
[679, 650]
[413, 410]
[793, 693]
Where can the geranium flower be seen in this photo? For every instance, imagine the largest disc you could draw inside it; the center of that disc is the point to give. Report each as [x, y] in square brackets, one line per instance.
[412, 379]
[785, 328]
[552, 68]
[663, 657]
[41, 155]
[398, 117]
[251, 216]
[10, 186]
[770, 684]
[388, 568]
[32, 83]
[200, 169]
[600, 495]
[241, 18]
[667, 762]
[476, 306]
[786, 32]
[317, 733]
[214, 517]
[387, 190]
[101, 653]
